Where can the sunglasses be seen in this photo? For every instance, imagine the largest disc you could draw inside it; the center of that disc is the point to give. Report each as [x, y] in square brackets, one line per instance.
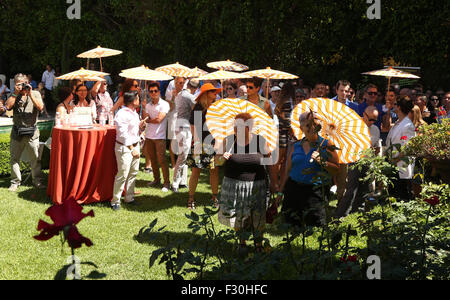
[135, 85]
[153, 91]
[372, 93]
[434, 99]
[250, 87]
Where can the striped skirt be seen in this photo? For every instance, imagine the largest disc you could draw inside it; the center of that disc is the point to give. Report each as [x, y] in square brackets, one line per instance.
[243, 203]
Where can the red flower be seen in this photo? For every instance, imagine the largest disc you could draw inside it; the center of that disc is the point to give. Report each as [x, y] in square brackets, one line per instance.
[350, 258]
[404, 138]
[433, 201]
[65, 217]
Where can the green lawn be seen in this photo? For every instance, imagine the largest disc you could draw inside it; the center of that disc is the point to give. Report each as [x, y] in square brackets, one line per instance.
[116, 250]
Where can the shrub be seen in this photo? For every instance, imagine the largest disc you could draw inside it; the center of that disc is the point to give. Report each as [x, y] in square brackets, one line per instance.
[432, 141]
[5, 156]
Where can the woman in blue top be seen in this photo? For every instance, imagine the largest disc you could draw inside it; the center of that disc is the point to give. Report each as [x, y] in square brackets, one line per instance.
[302, 188]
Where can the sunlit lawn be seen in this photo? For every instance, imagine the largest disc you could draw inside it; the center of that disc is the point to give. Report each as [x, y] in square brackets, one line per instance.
[116, 251]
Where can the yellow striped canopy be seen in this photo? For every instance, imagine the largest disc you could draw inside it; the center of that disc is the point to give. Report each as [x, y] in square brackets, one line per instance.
[145, 73]
[220, 119]
[99, 52]
[227, 65]
[177, 70]
[83, 75]
[223, 75]
[198, 72]
[340, 124]
[269, 73]
[391, 72]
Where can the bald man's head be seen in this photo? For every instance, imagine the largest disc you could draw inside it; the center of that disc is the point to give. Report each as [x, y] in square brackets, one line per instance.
[370, 115]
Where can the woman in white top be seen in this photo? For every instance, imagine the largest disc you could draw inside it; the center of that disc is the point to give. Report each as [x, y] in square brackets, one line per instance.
[81, 99]
[400, 134]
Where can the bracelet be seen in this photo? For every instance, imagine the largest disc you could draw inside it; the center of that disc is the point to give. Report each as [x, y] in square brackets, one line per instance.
[13, 95]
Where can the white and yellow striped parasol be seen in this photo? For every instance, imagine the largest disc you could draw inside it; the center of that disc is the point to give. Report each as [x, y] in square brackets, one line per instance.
[198, 72]
[145, 73]
[227, 65]
[390, 72]
[269, 73]
[221, 115]
[99, 52]
[340, 124]
[223, 75]
[83, 75]
[177, 70]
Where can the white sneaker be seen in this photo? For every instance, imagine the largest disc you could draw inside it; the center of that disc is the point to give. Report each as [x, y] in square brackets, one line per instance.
[164, 190]
[13, 188]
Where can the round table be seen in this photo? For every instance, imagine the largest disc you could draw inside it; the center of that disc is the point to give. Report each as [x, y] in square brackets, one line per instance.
[82, 164]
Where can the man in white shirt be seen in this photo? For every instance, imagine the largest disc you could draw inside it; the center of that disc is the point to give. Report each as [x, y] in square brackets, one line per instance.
[155, 135]
[355, 189]
[171, 94]
[47, 79]
[185, 101]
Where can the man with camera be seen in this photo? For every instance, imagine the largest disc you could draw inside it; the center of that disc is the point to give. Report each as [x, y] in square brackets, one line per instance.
[26, 105]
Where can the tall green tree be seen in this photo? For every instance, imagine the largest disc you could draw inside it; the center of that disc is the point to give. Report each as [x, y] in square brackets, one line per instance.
[319, 40]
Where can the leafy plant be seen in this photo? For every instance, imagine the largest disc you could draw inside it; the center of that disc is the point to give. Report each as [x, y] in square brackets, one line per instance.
[432, 141]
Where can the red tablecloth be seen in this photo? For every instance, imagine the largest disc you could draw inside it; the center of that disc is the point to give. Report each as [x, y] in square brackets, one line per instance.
[82, 164]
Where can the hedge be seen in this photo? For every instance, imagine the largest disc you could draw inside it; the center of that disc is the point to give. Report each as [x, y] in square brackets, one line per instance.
[5, 156]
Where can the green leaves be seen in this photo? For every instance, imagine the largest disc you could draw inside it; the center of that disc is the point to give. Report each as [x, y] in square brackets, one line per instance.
[308, 38]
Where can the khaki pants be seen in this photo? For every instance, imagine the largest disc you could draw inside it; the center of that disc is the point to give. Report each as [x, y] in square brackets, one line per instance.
[184, 141]
[127, 169]
[156, 149]
[31, 146]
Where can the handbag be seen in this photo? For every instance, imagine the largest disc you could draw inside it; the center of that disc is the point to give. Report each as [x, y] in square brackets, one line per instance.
[25, 131]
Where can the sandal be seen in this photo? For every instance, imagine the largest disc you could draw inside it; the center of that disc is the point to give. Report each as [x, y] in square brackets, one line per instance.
[215, 200]
[191, 203]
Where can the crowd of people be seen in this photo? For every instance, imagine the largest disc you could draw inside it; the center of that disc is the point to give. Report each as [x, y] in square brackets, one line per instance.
[154, 118]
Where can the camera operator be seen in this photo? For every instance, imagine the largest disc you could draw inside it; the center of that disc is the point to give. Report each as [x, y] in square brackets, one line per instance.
[26, 105]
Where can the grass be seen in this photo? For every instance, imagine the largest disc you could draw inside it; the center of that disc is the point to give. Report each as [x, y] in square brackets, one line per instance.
[116, 251]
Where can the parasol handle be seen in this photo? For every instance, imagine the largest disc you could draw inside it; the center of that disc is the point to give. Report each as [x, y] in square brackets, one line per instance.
[318, 149]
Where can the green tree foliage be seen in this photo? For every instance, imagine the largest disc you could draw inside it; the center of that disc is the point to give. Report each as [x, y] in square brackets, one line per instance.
[319, 40]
